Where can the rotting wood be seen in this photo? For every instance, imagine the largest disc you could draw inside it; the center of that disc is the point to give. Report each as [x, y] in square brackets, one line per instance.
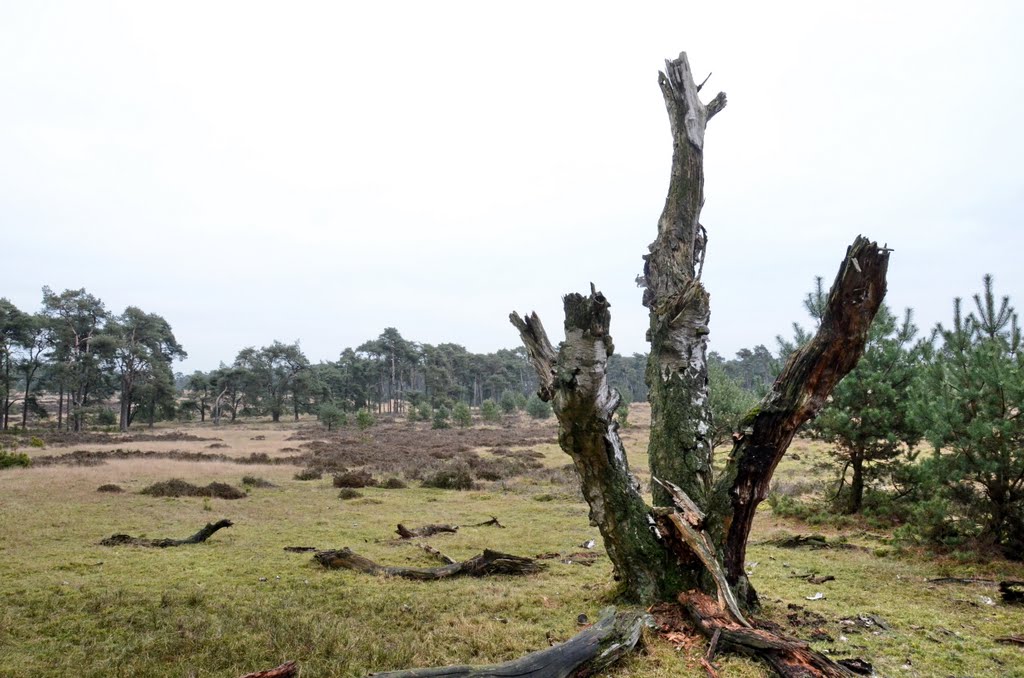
[286, 670]
[798, 394]
[590, 651]
[788, 657]
[486, 564]
[425, 531]
[197, 538]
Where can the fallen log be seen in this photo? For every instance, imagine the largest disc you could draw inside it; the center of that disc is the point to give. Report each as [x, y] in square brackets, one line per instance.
[486, 564]
[788, 657]
[286, 670]
[588, 652]
[425, 531]
[197, 538]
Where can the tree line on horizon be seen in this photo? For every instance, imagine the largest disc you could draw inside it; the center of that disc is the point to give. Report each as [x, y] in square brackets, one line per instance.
[958, 391]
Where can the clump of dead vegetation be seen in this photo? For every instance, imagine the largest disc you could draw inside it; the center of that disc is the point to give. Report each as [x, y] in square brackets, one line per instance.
[176, 487]
[110, 487]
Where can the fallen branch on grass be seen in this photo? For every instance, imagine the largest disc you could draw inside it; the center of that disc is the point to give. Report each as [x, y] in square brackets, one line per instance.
[197, 538]
[492, 521]
[437, 554]
[425, 531]
[286, 670]
[486, 564]
[588, 652]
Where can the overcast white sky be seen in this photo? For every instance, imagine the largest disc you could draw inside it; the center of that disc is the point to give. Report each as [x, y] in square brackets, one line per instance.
[319, 171]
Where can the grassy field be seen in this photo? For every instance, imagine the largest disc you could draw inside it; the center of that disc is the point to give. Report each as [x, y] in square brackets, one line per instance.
[239, 602]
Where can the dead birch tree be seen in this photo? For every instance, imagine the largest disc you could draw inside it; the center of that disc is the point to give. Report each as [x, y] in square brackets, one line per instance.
[691, 544]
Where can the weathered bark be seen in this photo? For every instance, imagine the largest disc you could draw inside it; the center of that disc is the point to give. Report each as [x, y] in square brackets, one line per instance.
[197, 538]
[798, 394]
[789, 657]
[587, 653]
[425, 531]
[487, 564]
[695, 537]
[575, 381]
[677, 375]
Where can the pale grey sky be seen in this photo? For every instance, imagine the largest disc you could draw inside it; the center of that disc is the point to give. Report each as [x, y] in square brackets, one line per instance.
[319, 171]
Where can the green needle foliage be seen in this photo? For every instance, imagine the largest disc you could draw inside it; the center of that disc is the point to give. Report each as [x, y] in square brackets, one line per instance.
[969, 402]
[461, 415]
[867, 422]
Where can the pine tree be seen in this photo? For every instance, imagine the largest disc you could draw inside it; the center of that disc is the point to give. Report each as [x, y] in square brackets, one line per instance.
[867, 420]
[970, 402]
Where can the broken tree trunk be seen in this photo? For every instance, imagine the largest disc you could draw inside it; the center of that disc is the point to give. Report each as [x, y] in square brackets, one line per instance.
[197, 538]
[486, 564]
[798, 394]
[588, 652]
[789, 657]
[695, 537]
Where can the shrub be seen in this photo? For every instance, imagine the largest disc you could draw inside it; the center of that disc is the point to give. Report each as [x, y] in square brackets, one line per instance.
[331, 416]
[441, 416]
[12, 459]
[175, 487]
[309, 474]
[110, 487]
[354, 479]
[489, 411]
[462, 416]
[393, 484]
[365, 419]
[35, 441]
[106, 417]
[508, 402]
[537, 408]
[425, 412]
[256, 481]
[349, 493]
[451, 478]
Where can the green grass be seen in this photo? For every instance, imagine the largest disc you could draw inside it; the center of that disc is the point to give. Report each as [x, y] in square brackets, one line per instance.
[240, 603]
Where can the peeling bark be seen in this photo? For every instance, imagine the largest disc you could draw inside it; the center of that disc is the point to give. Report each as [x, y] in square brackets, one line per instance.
[680, 447]
[575, 380]
[587, 653]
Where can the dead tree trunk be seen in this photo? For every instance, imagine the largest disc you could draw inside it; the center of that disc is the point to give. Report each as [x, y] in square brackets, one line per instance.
[696, 534]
